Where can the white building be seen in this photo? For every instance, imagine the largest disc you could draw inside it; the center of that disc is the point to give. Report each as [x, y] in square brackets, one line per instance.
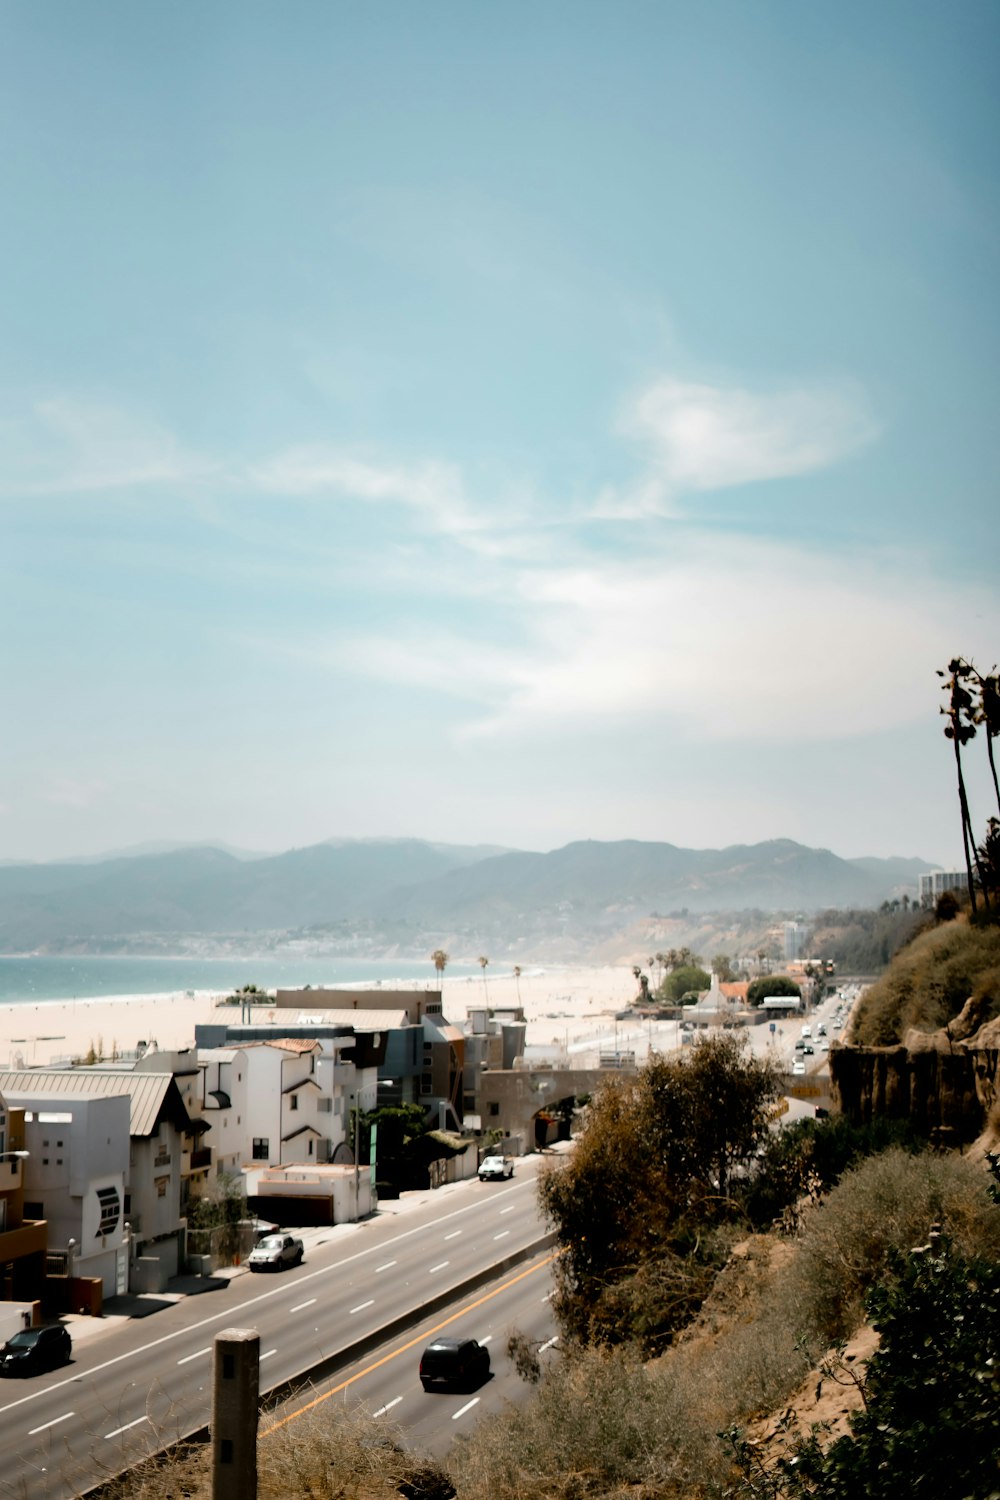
[152, 1138]
[937, 882]
[74, 1177]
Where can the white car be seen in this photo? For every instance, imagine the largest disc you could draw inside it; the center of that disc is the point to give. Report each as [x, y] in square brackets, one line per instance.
[798, 1069]
[493, 1168]
[275, 1252]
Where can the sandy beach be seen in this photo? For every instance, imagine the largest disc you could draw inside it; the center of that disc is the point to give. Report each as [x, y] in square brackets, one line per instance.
[566, 1008]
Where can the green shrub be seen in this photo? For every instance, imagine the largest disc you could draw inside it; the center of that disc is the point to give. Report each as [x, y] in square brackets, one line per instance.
[652, 1190]
[811, 1156]
[772, 984]
[930, 1423]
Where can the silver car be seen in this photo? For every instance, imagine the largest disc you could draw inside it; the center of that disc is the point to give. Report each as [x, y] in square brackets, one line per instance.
[275, 1252]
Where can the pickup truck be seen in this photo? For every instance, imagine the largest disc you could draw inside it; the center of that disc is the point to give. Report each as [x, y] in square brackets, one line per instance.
[275, 1252]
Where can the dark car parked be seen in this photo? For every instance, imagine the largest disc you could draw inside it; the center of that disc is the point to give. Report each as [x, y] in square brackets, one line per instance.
[35, 1349]
[454, 1362]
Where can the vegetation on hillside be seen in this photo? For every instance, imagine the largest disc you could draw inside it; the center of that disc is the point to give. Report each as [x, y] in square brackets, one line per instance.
[930, 981]
[865, 941]
[604, 1422]
[929, 1423]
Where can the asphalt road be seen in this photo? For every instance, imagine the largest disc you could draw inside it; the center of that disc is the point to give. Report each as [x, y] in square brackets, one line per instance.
[134, 1387]
[386, 1385]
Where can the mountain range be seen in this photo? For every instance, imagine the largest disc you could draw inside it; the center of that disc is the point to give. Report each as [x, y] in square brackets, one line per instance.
[405, 893]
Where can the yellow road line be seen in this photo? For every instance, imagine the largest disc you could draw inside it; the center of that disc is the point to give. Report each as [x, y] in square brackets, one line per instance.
[404, 1348]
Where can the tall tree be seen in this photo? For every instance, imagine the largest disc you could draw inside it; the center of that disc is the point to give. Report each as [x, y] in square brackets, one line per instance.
[483, 961]
[960, 729]
[439, 959]
[987, 713]
[517, 981]
[650, 1177]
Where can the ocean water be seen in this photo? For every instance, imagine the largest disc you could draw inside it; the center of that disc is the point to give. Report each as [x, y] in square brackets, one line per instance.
[87, 978]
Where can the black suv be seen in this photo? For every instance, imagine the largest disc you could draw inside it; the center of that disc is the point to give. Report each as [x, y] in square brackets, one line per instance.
[35, 1349]
[456, 1362]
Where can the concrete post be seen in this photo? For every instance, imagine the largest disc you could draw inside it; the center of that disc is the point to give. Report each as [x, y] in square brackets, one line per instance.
[235, 1387]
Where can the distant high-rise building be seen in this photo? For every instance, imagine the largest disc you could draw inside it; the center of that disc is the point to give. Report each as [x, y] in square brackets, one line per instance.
[794, 936]
[932, 885]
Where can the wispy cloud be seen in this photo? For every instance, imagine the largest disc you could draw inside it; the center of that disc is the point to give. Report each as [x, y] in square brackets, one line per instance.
[738, 640]
[67, 445]
[435, 490]
[435, 494]
[703, 437]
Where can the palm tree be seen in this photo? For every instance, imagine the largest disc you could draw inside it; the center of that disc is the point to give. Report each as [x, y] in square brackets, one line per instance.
[483, 961]
[960, 729]
[439, 959]
[517, 982]
[987, 713]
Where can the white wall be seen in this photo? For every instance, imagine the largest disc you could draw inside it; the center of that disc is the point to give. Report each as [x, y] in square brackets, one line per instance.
[78, 1150]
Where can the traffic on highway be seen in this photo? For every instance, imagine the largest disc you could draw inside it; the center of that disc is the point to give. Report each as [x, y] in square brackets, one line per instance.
[468, 1260]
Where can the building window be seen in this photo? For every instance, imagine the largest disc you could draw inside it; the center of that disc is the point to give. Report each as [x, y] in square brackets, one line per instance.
[111, 1207]
[494, 1109]
[33, 1210]
[261, 1147]
[293, 1102]
[310, 1148]
[161, 1186]
[425, 1083]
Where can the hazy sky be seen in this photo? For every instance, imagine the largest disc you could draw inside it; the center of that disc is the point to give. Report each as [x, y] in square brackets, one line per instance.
[510, 423]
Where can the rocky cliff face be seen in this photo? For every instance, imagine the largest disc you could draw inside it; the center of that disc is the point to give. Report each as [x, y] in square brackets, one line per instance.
[946, 1082]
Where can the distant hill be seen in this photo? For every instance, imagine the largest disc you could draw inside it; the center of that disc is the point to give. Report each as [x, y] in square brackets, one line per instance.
[606, 885]
[409, 892]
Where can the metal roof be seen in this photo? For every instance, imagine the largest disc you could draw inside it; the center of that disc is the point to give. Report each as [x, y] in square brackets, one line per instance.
[152, 1096]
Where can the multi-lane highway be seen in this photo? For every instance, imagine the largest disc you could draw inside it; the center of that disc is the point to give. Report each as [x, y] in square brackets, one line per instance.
[133, 1388]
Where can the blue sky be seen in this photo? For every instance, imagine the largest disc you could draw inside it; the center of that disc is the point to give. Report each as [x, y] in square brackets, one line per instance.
[494, 424]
